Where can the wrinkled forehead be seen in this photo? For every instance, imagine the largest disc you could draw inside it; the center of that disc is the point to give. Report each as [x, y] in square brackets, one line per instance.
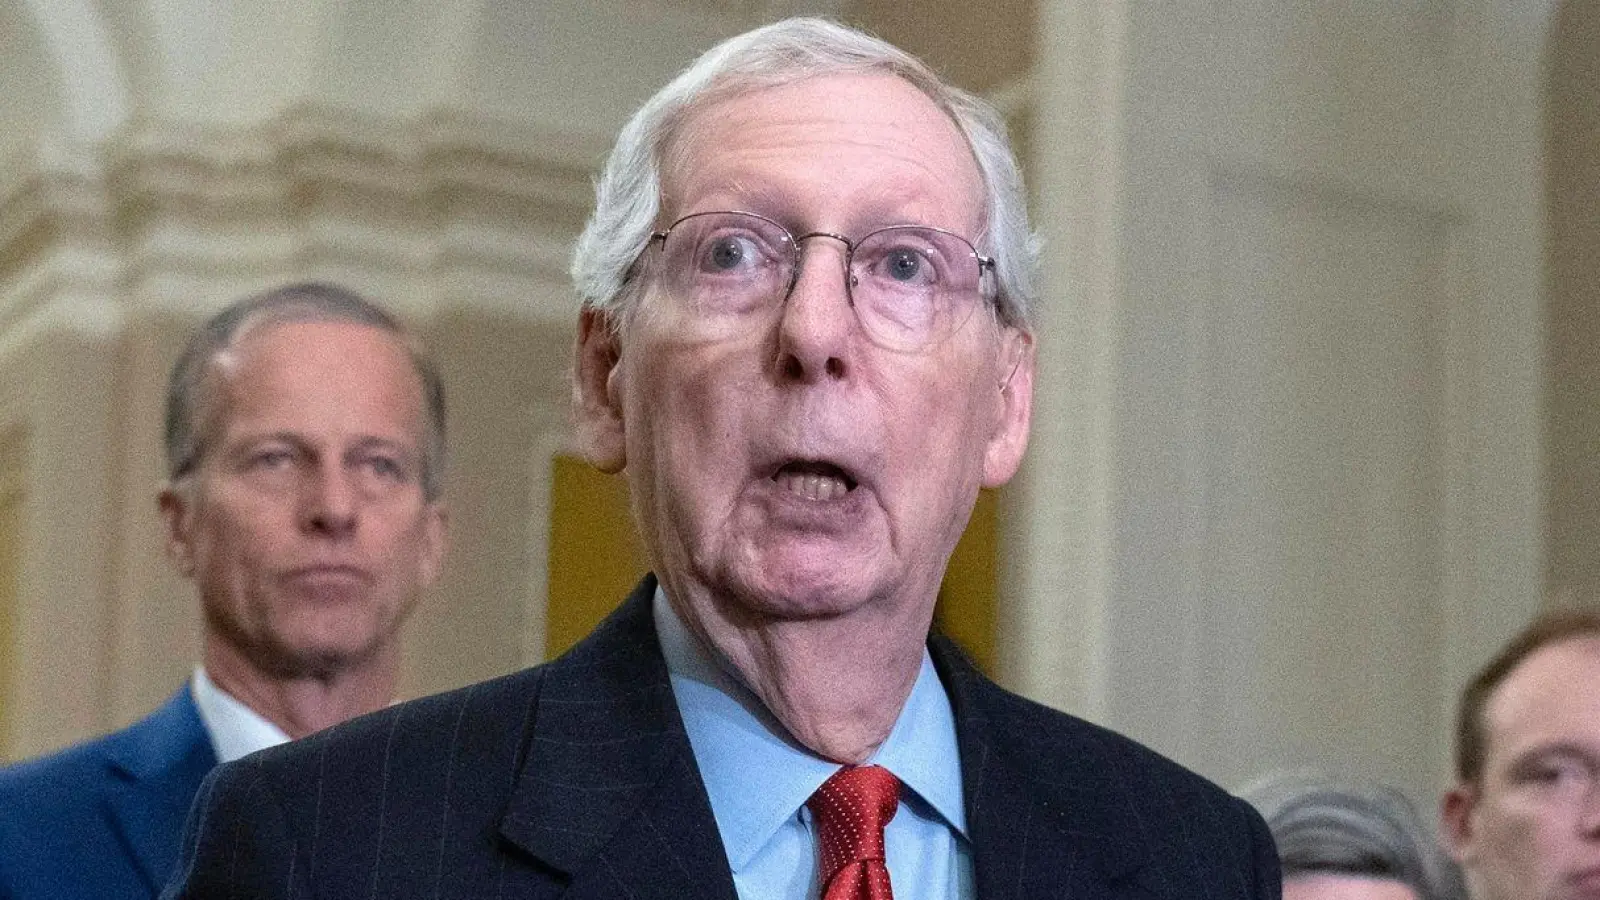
[875, 117]
[278, 356]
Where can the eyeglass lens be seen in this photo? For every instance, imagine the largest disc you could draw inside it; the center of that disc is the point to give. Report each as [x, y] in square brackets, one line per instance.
[911, 285]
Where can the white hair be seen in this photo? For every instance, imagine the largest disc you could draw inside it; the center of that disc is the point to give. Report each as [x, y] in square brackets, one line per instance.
[628, 192]
[1324, 826]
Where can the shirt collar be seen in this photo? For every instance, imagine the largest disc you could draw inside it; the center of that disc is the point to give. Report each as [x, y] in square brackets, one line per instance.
[235, 729]
[734, 735]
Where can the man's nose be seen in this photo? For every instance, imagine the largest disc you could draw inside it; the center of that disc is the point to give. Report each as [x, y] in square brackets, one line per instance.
[818, 322]
[330, 501]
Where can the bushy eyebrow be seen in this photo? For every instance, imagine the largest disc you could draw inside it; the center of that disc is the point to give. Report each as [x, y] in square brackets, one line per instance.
[362, 444]
[252, 442]
[372, 442]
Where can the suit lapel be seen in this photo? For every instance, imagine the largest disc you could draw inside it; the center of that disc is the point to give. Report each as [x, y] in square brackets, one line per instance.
[609, 793]
[157, 768]
[1045, 816]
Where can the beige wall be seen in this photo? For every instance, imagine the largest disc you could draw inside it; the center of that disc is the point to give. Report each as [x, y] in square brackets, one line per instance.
[506, 382]
[12, 529]
[1572, 380]
[60, 388]
[1283, 491]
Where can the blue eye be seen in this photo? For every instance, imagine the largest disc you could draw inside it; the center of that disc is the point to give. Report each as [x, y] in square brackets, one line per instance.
[727, 254]
[731, 253]
[905, 257]
[387, 468]
[1558, 773]
[903, 265]
[273, 458]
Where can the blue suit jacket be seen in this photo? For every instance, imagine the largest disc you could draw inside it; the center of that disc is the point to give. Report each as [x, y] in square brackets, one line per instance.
[103, 819]
[576, 780]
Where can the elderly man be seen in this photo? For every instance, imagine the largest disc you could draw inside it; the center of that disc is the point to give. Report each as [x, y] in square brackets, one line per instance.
[1524, 817]
[305, 441]
[804, 339]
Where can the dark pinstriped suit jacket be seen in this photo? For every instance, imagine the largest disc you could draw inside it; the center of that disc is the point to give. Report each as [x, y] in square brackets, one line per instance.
[576, 780]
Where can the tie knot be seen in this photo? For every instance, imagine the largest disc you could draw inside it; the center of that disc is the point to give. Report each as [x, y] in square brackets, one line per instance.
[851, 809]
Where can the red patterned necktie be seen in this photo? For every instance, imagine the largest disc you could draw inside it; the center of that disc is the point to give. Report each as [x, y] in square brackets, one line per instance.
[850, 810]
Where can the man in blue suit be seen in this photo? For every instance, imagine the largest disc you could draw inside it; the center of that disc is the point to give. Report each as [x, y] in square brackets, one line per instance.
[805, 339]
[304, 439]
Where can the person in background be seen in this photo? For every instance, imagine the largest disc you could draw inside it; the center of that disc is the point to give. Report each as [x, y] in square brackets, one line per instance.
[1523, 818]
[804, 338]
[305, 441]
[1342, 841]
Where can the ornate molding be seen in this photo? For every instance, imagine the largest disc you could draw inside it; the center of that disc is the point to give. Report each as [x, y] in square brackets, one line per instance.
[57, 256]
[439, 210]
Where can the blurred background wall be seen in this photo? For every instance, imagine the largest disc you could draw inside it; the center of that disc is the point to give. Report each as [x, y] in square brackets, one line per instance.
[1316, 425]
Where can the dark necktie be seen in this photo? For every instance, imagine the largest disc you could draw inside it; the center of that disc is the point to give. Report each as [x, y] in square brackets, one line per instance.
[850, 810]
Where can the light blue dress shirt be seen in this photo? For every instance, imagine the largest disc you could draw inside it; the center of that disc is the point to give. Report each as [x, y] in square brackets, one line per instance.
[759, 779]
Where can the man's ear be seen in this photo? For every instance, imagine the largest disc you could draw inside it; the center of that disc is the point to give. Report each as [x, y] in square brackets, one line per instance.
[594, 398]
[177, 515]
[1455, 821]
[1010, 438]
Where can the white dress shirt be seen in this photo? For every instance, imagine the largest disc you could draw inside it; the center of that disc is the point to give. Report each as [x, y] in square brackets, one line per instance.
[236, 730]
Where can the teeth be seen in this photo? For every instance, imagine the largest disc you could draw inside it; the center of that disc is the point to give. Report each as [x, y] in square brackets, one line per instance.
[812, 486]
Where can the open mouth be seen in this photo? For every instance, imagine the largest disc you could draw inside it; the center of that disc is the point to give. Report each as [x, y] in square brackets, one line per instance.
[814, 479]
